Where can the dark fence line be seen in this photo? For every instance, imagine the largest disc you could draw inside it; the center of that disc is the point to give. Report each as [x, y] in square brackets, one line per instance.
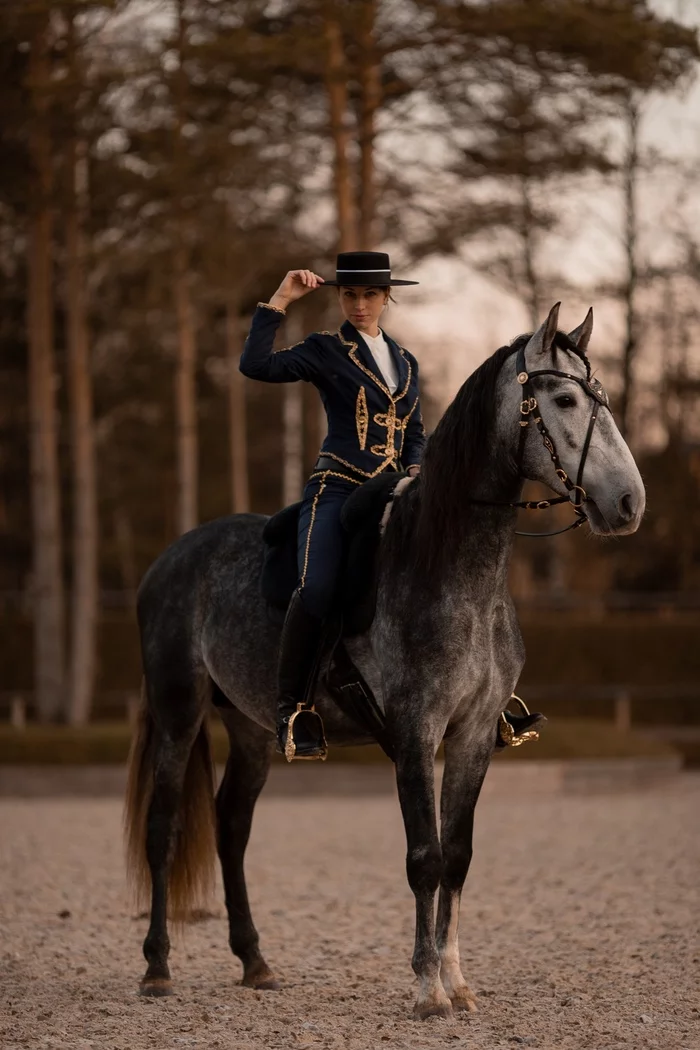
[17, 707]
[566, 601]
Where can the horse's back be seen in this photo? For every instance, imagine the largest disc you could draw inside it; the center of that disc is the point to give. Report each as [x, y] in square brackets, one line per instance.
[198, 561]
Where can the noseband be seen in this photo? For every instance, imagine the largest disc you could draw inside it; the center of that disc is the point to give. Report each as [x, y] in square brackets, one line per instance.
[528, 409]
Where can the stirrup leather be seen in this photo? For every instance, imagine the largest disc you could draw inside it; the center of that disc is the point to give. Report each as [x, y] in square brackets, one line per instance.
[290, 747]
[506, 733]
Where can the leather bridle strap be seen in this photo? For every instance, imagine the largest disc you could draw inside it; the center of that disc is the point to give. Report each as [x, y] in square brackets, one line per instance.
[528, 406]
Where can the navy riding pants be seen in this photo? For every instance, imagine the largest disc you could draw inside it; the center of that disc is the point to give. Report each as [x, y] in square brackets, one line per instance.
[320, 541]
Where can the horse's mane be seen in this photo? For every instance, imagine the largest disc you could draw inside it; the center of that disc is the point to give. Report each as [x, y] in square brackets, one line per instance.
[455, 456]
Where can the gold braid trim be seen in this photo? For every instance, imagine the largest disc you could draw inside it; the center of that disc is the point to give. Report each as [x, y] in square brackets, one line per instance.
[352, 354]
[358, 470]
[292, 346]
[269, 306]
[361, 417]
[334, 474]
[314, 505]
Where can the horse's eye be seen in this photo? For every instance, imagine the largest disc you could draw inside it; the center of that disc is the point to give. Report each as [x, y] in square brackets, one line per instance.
[564, 401]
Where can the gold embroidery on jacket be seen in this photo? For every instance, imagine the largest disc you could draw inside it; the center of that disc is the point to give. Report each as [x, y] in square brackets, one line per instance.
[292, 346]
[269, 306]
[361, 417]
[352, 354]
[359, 470]
[387, 419]
[403, 423]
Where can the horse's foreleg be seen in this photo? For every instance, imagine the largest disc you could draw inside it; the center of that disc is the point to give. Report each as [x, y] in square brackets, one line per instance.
[415, 765]
[246, 772]
[465, 769]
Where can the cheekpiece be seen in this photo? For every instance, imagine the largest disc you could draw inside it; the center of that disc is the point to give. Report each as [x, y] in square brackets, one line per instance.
[364, 270]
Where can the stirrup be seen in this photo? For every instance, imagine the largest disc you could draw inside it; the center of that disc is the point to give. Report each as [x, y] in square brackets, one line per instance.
[506, 733]
[290, 745]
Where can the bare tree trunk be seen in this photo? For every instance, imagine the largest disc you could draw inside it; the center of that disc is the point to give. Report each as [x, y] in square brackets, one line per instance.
[185, 382]
[630, 176]
[527, 235]
[370, 101]
[336, 86]
[49, 598]
[293, 417]
[85, 525]
[238, 437]
[185, 396]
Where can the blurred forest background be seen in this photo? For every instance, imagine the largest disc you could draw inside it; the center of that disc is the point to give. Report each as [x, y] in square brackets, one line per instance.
[164, 162]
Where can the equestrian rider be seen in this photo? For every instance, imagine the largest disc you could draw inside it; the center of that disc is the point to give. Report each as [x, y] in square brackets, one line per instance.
[369, 388]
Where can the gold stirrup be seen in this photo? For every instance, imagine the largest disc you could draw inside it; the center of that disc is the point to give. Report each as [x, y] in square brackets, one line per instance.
[506, 732]
[290, 747]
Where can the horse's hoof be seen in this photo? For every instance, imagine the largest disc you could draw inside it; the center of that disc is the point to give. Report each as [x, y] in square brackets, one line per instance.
[262, 984]
[261, 978]
[156, 986]
[432, 1008]
[463, 999]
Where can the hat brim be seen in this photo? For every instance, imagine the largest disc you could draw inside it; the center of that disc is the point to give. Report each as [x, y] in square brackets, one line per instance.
[363, 281]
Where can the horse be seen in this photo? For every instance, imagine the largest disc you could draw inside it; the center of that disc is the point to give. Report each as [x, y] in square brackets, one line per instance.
[443, 653]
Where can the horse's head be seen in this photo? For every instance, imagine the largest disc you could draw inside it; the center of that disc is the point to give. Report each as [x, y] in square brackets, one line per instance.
[571, 441]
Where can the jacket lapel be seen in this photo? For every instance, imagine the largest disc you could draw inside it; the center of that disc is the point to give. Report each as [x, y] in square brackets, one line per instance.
[361, 355]
[402, 365]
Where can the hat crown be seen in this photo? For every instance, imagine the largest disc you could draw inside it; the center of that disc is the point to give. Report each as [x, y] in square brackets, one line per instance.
[356, 262]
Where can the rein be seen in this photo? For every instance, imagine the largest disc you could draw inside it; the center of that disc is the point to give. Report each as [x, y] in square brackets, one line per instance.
[528, 406]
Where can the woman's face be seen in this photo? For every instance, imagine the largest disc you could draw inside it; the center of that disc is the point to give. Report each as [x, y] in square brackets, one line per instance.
[363, 306]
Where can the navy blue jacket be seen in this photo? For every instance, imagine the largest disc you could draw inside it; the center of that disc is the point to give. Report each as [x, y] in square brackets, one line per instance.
[369, 429]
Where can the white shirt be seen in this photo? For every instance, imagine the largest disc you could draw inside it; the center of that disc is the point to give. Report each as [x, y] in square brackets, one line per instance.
[382, 356]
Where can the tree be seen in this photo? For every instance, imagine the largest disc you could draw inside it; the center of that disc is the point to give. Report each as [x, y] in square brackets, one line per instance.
[84, 608]
[48, 588]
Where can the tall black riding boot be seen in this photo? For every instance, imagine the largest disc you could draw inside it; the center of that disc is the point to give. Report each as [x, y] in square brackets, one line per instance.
[299, 728]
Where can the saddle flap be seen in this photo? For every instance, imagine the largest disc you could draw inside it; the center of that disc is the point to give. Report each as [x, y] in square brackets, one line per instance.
[281, 525]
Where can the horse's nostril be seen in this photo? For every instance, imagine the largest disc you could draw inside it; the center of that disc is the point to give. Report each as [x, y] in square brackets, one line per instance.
[627, 506]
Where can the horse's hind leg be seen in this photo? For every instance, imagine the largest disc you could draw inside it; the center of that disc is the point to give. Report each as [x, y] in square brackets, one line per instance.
[246, 772]
[465, 769]
[169, 812]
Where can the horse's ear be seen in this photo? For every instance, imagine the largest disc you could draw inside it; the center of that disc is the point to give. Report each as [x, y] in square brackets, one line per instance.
[582, 335]
[541, 341]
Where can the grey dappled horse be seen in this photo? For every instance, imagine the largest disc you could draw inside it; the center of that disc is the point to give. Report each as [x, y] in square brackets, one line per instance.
[443, 655]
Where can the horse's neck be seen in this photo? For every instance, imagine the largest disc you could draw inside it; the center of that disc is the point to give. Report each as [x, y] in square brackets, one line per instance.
[485, 545]
[482, 555]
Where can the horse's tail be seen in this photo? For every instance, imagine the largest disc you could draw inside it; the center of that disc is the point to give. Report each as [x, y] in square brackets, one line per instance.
[191, 873]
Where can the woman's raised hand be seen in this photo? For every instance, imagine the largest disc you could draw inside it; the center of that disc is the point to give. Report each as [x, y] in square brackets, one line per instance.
[296, 284]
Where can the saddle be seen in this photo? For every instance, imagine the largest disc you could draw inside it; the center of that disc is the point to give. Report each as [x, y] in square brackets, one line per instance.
[356, 592]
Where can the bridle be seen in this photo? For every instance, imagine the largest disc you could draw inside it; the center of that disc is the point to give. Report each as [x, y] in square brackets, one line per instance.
[528, 407]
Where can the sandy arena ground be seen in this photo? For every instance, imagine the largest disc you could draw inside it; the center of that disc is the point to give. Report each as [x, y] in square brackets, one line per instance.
[579, 930]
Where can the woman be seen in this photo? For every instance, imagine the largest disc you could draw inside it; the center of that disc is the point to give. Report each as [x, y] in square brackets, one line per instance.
[369, 388]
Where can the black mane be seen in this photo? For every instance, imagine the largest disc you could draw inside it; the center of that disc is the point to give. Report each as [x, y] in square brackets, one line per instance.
[456, 454]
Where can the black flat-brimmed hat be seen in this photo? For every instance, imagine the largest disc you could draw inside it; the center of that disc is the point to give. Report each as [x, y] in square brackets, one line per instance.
[364, 269]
